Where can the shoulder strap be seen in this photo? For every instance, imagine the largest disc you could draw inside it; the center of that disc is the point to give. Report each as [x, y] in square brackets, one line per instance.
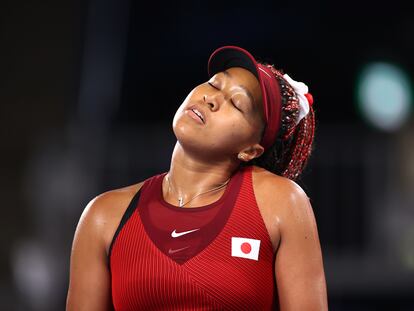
[131, 208]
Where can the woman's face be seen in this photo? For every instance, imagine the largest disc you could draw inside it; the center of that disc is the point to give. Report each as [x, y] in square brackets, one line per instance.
[222, 116]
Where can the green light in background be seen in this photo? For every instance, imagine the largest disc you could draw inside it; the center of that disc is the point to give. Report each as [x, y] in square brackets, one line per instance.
[384, 95]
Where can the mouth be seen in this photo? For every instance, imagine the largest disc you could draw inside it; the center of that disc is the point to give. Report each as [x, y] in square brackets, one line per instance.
[198, 113]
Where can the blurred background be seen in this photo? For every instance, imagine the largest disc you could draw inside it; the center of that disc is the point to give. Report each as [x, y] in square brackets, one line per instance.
[88, 90]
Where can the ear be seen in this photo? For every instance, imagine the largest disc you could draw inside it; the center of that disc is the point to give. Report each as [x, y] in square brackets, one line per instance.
[251, 153]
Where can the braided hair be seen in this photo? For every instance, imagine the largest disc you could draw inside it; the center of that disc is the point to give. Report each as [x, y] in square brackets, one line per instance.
[290, 152]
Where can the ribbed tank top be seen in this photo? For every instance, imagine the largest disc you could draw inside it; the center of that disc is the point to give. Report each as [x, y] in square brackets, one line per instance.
[214, 257]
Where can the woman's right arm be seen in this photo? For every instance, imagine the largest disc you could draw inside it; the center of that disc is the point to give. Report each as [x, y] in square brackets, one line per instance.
[89, 283]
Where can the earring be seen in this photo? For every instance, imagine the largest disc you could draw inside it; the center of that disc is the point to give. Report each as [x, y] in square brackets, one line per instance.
[240, 156]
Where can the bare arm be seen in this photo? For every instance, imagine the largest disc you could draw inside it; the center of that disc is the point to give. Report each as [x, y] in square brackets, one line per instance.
[89, 285]
[299, 269]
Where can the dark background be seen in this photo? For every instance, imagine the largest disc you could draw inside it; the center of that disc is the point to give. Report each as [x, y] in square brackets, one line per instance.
[88, 90]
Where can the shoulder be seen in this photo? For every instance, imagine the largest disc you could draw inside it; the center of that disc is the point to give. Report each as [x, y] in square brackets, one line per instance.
[110, 202]
[283, 197]
[110, 199]
[275, 185]
[103, 213]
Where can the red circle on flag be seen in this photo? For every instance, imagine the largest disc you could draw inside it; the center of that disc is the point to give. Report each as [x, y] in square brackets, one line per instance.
[246, 247]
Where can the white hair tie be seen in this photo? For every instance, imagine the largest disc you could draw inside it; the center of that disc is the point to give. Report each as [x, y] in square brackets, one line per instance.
[305, 98]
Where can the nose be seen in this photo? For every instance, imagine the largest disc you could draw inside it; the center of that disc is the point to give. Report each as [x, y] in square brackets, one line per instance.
[213, 101]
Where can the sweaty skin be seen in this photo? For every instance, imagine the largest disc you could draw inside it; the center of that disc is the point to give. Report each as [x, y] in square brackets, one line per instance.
[205, 155]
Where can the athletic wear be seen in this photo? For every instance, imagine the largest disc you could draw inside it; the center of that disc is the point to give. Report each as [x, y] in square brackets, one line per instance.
[214, 257]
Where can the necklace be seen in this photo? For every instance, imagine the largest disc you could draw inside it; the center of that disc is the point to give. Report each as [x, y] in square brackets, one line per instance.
[181, 199]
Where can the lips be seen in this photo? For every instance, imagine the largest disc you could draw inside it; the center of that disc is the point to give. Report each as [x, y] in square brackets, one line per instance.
[197, 113]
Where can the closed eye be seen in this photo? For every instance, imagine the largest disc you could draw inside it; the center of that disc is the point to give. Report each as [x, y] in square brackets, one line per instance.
[211, 84]
[231, 100]
[235, 106]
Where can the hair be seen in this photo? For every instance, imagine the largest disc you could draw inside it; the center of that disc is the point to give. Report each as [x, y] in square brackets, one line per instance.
[289, 154]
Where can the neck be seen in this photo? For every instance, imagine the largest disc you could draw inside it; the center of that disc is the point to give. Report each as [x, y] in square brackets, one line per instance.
[191, 175]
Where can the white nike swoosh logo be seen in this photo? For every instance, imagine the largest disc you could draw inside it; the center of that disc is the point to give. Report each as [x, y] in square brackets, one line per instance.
[172, 251]
[176, 235]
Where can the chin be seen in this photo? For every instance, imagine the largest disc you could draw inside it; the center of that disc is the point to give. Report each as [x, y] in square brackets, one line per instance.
[185, 135]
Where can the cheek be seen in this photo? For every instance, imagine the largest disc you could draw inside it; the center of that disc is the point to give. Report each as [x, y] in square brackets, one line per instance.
[232, 131]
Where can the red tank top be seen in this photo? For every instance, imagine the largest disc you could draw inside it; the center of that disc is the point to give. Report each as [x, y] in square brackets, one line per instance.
[215, 257]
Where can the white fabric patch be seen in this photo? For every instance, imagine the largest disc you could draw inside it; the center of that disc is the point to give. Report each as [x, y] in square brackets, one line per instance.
[245, 248]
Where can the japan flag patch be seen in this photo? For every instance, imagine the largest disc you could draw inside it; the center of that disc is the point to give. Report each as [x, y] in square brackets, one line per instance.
[245, 248]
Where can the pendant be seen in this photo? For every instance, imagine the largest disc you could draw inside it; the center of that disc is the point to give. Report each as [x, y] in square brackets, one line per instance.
[180, 202]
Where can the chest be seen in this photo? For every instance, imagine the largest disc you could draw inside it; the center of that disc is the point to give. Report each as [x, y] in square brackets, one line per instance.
[144, 277]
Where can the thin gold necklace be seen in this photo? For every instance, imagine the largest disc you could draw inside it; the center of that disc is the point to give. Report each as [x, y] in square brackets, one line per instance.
[180, 198]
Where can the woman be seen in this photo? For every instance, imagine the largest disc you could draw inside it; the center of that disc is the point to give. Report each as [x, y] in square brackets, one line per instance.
[226, 228]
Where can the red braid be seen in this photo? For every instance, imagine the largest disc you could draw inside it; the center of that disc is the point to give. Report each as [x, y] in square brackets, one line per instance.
[289, 154]
[302, 146]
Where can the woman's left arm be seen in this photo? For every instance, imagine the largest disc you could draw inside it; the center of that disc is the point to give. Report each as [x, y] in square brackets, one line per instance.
[299, 268]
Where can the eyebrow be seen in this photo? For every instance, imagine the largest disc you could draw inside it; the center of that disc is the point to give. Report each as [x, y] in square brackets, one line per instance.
[227, 74]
